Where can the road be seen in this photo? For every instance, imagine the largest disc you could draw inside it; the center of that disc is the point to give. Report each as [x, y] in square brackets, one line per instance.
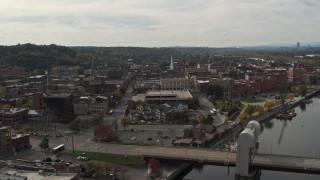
[82, 140]
[206, 106]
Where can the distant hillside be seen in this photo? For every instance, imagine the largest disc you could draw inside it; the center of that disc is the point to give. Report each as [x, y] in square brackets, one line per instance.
[40, 57]
[43, 56]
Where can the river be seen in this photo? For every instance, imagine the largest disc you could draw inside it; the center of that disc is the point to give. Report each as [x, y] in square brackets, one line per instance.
[296, 137]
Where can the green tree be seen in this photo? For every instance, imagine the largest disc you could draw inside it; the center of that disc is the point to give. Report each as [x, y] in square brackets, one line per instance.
[208, 120]
[193, 102]
[250, 109]
[2, 90]
[97, 118]
[44, 143]
[216, 91]
[75, 125]
[123, 90]
[159, 133]
[124, 122]
[303, 90]
[194, 123]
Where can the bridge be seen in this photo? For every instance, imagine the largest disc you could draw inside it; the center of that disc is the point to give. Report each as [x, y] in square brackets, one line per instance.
[247, 162]
[213, 157]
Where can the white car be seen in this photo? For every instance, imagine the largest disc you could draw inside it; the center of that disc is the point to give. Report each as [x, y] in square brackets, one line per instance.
[133, 138]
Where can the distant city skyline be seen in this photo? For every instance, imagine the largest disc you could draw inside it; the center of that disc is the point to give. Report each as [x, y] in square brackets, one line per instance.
[162, 23]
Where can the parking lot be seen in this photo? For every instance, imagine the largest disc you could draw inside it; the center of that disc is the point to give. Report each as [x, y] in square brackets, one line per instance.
[151, 134]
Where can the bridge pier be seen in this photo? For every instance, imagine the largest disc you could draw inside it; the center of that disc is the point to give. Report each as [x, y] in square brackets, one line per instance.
[247, 145]
[253, 175]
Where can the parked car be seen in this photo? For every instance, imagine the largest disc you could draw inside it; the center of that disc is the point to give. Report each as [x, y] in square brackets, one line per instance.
[112, 173]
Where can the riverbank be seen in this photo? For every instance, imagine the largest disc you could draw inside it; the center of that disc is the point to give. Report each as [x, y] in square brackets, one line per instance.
[230, 143]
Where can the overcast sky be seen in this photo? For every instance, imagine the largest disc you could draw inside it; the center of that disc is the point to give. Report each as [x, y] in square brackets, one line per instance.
[155, 23]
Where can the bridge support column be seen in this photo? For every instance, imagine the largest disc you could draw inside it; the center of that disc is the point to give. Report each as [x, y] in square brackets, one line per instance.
[247, 144]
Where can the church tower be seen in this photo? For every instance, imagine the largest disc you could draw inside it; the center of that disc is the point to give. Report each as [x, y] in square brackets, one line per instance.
[171, 65]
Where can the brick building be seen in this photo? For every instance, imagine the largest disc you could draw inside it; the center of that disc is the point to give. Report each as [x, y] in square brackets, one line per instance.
[58, 105]
[20, 141]
[11, 116]
[5, 140]
[227, 85]
[296, 74]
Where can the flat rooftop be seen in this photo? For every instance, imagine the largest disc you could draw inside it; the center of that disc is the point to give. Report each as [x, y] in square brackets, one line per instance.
[57, 95]
[180, 95]
[5, 172]
[12, 110]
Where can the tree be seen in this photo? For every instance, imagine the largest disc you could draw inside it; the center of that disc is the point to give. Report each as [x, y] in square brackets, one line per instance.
[200, 117]
[124, 121]
[181, 116]
[215, 90]
[75, 125]
[21, 101]
[194, 123]
[2, 90]
[44, 143]
[97, 118]
[154, 165]
[259, 109]
[105, 132]
[243, 117]
[159, 133]
[117, 94]
[290, 96]
[193, 102]
[269, 104]
[208, 120]
[303, 90]
[6, 106]
[100, 166]
[249, 109]
[123, 90]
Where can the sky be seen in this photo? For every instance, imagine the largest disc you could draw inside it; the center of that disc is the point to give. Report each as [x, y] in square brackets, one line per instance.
[159, 23]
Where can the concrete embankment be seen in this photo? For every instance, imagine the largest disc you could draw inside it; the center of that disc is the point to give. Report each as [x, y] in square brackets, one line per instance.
[271, 114]
[179, 172]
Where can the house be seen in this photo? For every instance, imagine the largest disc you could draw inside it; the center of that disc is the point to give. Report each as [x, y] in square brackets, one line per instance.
[199, 136]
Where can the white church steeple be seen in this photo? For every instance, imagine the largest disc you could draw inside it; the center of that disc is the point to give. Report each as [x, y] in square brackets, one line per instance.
[171, 65]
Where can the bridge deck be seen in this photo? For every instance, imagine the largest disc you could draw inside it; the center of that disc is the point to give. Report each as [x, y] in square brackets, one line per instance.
[260, 161]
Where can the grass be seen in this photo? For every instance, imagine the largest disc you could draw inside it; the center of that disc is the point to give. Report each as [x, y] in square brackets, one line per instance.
[251, 100]
[113, 158]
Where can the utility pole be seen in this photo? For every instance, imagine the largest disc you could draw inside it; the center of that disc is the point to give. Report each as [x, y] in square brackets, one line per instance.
[55, 128]
[72, 144]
